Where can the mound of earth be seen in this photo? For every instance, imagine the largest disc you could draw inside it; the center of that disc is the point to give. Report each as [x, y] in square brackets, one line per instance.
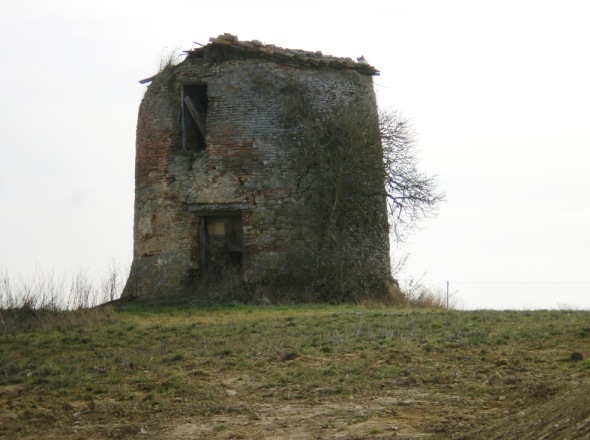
[565, 417]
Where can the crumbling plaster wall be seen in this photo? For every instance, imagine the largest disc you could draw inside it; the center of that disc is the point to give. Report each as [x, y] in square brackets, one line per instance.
[252, 133]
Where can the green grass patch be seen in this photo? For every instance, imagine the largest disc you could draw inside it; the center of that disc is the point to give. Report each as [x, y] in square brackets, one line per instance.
[153, 359]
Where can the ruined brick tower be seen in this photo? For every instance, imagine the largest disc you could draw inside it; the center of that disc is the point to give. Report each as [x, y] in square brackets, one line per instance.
[229, 189]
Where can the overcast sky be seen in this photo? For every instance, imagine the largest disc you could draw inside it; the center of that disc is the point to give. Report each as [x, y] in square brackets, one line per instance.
[499, 93]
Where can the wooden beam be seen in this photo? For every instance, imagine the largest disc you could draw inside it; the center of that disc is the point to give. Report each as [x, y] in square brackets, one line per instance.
[147, 80]
[216, 208]
[197, 112]
[202, 244]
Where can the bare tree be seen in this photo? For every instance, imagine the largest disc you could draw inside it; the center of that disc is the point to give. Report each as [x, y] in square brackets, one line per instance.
[411, 194]
[356, 173]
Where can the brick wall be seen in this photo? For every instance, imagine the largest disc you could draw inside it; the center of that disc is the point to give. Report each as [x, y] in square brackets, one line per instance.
[252, 134]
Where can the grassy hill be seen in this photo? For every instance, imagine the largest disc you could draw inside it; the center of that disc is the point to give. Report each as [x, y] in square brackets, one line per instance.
[312, 371]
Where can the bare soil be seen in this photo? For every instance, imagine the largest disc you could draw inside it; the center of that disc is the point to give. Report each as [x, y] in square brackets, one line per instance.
[402, 411]
[535, 388]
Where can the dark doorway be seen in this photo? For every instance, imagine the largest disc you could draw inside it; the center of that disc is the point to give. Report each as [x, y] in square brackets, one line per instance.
[221, 244]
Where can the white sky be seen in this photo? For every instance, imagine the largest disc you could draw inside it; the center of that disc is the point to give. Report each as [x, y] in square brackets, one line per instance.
[499, 93]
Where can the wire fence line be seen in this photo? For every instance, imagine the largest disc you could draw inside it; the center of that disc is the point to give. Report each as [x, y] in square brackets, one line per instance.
[452, 291]
[442, 283]
[519, 282]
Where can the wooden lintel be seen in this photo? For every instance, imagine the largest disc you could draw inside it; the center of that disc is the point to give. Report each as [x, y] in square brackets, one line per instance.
[216, 208]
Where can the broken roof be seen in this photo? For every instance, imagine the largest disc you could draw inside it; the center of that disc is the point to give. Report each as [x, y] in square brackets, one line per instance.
[288, 56]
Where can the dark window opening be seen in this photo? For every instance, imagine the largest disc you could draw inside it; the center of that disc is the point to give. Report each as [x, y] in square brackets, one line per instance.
[194, 116]
[221, 244]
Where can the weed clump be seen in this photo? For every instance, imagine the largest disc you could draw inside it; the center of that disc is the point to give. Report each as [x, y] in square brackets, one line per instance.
[49, 301]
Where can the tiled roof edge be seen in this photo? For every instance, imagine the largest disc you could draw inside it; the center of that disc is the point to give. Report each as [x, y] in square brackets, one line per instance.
[280, 54]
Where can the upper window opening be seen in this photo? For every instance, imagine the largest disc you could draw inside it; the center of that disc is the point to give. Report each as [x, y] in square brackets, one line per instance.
[194, 116]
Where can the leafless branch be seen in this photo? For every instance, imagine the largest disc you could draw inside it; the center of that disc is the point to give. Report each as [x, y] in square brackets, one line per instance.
[411, 194]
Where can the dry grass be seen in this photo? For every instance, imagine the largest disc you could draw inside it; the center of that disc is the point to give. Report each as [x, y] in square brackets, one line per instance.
[46, 299]
[228, 372]
[169, 57]
[419, 295]
[49, 300]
